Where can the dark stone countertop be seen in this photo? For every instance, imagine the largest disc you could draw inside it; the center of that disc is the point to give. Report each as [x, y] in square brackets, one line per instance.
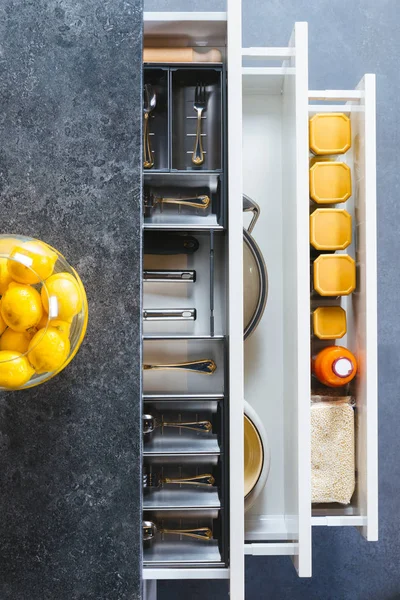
[70, 174]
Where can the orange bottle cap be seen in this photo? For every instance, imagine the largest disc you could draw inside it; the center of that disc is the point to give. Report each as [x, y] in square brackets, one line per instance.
[330, 133]
[334, 275]
[330, 229]
[329, 322]
[330, 182]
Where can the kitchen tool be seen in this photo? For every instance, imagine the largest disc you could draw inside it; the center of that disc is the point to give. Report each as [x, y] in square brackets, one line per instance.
[169, 314]
[166, 276]
[156, 480]
[151, 423]
[199, 106]
[169, 243]
[255, 277]
[330, 229]
[334, 275]
[150, 530]
[330, 182]
[149, 106]
[204, 366]
[257, 456]
[180, 55]
[201, 202]
[334, 366]
[329, 322]
[45, 309]
[330, 133]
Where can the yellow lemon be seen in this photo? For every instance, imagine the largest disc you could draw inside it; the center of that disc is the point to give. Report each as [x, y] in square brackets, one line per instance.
[5, 277]
[48, 350]
[32, 261]
[65, 289]
[63, 327]
[3, 324]
[7, 244]
[43, 321]
[21, 307]
[15, 340]
[15, 370]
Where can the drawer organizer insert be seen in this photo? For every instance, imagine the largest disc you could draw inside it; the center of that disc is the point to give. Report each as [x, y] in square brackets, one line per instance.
[185, 348]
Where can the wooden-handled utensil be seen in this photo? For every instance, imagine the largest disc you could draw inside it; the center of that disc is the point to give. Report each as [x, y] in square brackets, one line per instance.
[149, 105]
[201, 202]
[157, 480]
[204, 366]
[150, 530]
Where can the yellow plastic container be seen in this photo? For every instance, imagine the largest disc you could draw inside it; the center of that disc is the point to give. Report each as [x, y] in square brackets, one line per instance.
[334, 275]
[330, 182]
[330, 229]
[330, 133]
[329, 322]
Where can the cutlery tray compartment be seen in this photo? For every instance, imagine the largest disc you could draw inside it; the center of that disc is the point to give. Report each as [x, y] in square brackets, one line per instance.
[158, 78]
[162, 494]
[177, 550]
[184, 117]
[167, 215]
[205, 294]
[177, 440]
[178, 350]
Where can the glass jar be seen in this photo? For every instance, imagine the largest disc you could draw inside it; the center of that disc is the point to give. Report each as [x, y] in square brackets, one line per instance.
[43, 312]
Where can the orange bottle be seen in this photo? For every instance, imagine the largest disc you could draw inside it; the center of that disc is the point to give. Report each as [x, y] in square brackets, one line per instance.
[334, 366]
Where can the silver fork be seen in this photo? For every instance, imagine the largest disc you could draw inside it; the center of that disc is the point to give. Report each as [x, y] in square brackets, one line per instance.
[199, 105]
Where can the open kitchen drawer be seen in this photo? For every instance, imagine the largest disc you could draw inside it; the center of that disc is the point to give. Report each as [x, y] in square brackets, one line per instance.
[266, 136]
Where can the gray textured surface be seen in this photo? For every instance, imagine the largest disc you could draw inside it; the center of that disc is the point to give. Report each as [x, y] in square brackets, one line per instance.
[347, 38]
[70, 98]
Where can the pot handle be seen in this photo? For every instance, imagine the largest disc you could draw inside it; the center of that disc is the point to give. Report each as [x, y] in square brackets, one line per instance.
[250, 206]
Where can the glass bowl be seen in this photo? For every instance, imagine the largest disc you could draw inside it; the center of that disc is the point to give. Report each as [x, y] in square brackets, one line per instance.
[43, 312]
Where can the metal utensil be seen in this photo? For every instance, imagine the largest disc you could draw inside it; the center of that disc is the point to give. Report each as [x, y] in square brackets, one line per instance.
[151, 423]
[166, 276]
[156, 480]
[150, 530]
[169, 314]
[150, 100]
[204, 366]
[199, 105]
[201, 202]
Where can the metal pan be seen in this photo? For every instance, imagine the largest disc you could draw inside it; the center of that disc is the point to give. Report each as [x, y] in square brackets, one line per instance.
[255, 277]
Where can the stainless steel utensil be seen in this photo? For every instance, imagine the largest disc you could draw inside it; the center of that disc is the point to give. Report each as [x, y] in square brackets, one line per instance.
[255, 288]
[150, 530]
[155, 480]
[200, 103]
[204, 366]
[151, 423]
[166, 276]
[169, 314]
[150, 100]
[201, 202]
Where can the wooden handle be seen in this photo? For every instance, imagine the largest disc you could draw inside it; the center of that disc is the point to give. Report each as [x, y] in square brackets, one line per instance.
[171, 55]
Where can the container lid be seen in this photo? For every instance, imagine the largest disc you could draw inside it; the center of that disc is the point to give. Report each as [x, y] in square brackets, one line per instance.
[330, 133]
[330, 229]
[334, 275]
[330, 182]
[329, 322]
[343, 367]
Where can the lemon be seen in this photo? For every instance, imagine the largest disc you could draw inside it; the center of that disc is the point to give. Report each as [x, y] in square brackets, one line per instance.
[5, 277]
[15, 340]
[7, 244]
[33, 261]
[3, 324]
[48, 350]
[15, 370]
[65, 288]
[21, 307]
[43, 321]
[63, 327]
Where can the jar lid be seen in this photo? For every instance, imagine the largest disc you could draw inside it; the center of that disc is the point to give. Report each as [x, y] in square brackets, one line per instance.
[330, 229]
[343, 367]
[329, 322]
[330, 133]
[334, 275]
[330, 182]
